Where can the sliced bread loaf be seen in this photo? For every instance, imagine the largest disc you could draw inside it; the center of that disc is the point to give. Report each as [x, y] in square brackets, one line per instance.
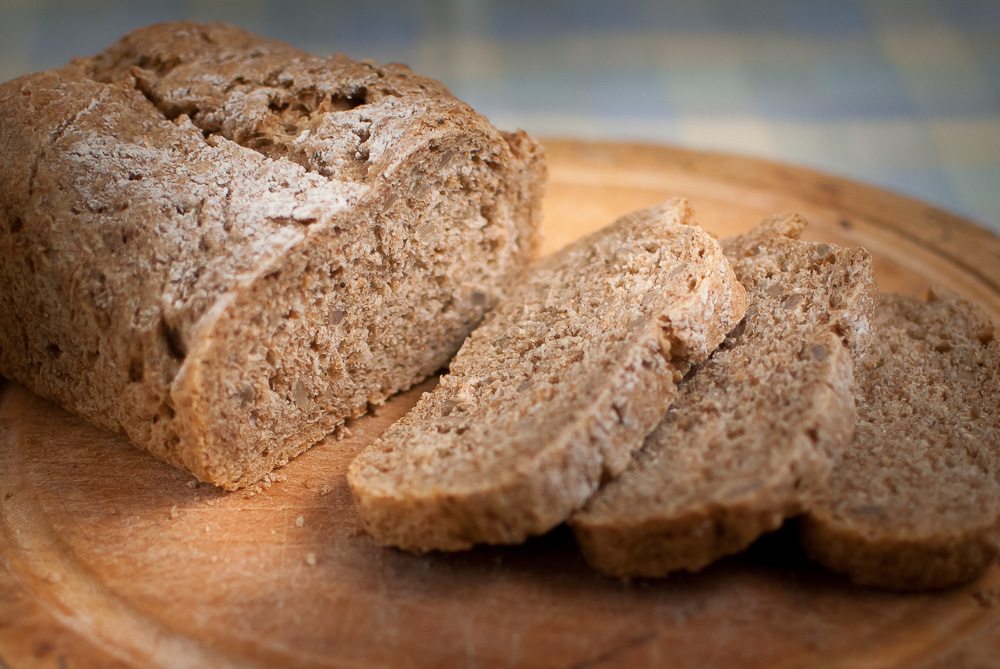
[558, 386]
[753, 426]
[914, 502]
[222, 247]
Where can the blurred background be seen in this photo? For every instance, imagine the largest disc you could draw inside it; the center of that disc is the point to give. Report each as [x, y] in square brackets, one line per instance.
[904, 94]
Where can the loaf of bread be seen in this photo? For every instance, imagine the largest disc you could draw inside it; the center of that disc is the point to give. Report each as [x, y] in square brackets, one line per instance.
[754, 428]
[559, 385]
[914, 502]
[222, 247]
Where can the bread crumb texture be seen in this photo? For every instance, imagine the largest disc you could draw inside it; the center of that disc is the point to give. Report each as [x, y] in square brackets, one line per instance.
[222, 247]
[914, 502]
[555, 390]
[754, 425]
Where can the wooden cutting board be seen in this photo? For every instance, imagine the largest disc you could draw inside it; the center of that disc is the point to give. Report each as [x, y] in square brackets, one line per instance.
[112, 558]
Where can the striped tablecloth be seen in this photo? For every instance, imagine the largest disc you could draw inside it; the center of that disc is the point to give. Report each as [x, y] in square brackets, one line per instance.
[901, 93]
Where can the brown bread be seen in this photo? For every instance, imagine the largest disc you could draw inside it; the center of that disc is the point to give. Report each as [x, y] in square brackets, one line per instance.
[914, 502]
[559, 385]
[222, 247]
[754, 426]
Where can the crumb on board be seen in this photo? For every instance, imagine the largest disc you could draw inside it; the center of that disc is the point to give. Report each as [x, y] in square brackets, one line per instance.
[311, 559]
[987, 597]
[325, 490]
[173, 511]
[193, 483]
[300, 521]
[265, 483]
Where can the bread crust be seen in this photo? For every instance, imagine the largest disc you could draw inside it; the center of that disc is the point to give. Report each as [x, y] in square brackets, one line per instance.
[222, 247]
[900, 562]
[555, 390]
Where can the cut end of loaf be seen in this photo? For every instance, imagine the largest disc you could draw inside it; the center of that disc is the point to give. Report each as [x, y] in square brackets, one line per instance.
[364, 307]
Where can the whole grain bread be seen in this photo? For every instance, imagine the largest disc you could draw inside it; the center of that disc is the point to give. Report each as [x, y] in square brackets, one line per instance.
[554, 390]
[754, 426]
[914, 502]
[222, 247]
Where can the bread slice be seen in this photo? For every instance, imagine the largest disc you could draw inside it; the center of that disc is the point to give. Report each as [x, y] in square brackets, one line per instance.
[556, 388]
[914, 502]
[752, 427]
[222, 247]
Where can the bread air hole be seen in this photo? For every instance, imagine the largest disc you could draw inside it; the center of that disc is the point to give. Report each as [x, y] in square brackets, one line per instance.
[136, 370]
[164, 412]
[172, 340]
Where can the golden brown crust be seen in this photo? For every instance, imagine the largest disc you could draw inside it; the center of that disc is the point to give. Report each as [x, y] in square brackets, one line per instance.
[222, 247]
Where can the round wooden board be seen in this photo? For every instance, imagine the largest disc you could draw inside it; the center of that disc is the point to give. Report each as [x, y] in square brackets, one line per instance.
[112, 558]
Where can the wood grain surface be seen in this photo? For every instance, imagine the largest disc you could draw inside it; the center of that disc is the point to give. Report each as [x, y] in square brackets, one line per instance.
[111, 558]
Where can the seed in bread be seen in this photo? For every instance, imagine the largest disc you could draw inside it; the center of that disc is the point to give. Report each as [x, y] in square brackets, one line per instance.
[222, 247]
[753, 426]
[914, 502]
[555, 389]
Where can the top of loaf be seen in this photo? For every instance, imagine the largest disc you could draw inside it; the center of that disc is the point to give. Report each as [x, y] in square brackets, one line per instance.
[332, 115]
[215, 151]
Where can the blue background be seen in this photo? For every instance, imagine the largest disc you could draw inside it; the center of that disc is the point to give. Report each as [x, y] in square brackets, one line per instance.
[902, 94]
